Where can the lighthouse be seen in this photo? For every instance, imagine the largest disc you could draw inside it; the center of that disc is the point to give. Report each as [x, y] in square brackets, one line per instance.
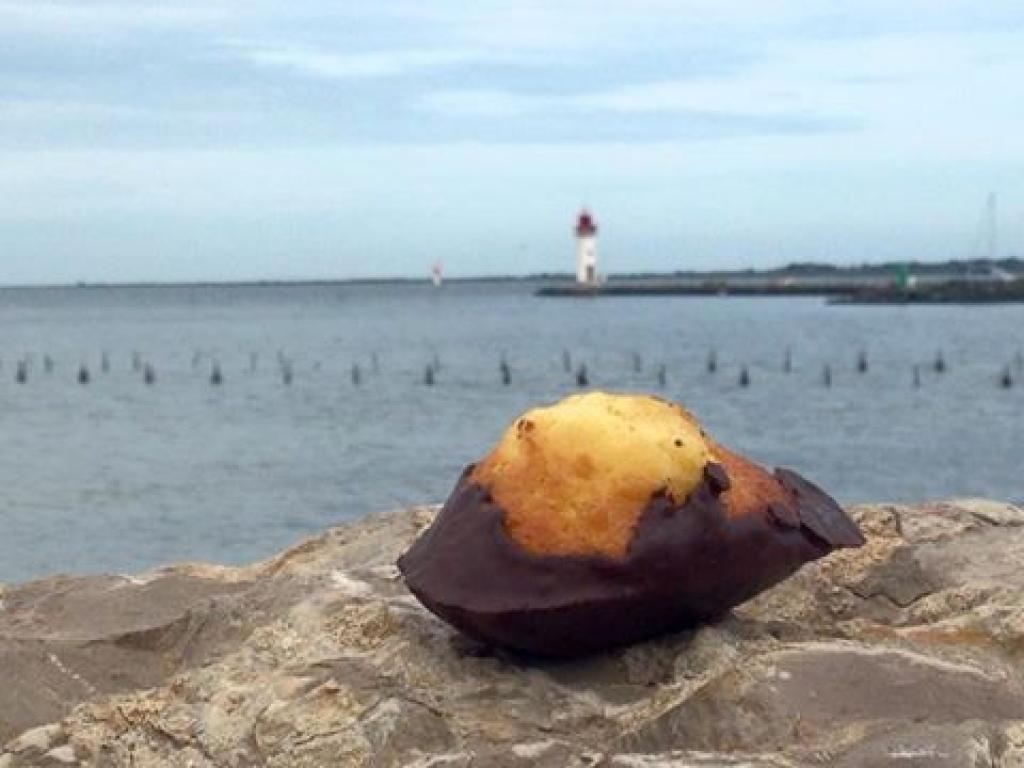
[586, 249]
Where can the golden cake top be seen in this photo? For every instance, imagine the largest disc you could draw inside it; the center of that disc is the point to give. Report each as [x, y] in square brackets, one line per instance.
[574, 478]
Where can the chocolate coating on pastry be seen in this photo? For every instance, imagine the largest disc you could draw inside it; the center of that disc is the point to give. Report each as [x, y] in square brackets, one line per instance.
[717, 478]
[686, 563]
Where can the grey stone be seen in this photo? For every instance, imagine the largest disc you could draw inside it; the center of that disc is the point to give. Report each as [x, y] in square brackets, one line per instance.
[35, 740]
[63, 755]
[903, 653]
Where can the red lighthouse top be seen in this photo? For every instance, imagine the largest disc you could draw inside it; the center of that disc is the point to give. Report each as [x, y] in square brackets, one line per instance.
[585, 225]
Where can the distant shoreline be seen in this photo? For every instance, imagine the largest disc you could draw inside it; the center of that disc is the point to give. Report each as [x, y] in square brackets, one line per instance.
[806, 271]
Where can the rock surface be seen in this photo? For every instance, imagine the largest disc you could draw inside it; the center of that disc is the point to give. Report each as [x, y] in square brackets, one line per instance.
[906, 652]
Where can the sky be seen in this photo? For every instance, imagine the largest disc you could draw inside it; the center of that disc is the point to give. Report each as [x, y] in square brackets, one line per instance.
[316, 139]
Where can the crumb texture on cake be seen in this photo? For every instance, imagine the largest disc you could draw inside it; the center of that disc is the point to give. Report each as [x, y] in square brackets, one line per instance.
[574, 478]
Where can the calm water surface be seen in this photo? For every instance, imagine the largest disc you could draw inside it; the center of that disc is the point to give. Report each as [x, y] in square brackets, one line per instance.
[118, 476]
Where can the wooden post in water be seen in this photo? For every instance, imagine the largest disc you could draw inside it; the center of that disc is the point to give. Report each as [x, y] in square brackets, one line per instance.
[582, 380]
[862, 362]
[1006, 380]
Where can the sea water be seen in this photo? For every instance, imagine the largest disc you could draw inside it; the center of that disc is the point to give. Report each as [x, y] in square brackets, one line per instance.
[117, 475]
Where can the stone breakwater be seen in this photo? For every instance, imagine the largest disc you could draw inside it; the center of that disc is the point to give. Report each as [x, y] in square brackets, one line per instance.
[906, 652]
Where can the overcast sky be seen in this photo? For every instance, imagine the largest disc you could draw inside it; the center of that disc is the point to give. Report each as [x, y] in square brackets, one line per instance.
[198, 139]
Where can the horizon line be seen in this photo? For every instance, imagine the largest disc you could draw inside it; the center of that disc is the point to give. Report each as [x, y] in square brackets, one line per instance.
[561, 275]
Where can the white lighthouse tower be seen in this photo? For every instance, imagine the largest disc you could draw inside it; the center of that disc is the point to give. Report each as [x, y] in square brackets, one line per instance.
[586, 249]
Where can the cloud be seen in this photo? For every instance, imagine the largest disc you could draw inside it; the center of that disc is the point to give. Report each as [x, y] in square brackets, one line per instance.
[484, 103]
[881, 83]
[82, 18]
[683, 101]
[37, 111]
[40, 123]
[319, 63]
[603, 117]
